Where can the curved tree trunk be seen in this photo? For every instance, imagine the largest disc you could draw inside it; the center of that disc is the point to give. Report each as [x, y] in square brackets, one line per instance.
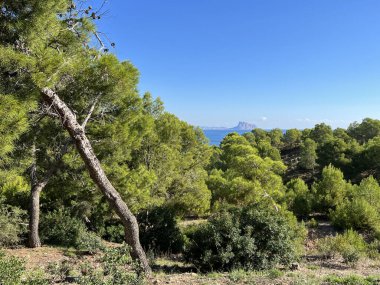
[34, 216]
[98, 175]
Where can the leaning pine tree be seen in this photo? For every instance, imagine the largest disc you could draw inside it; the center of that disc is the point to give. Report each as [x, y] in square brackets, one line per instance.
[44, 52]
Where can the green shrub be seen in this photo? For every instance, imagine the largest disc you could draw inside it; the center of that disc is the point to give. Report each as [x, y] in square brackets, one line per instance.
[11, 225]
[114, 267]
[37, 277]
[115, 232]
[159, 231]
[88, 242]
[312, 223]
[373, 249]
[357, 214]
[220, 244]
[60, 228]
[237, 276]
[113, 270]
[93, 277]
[275, 273]
[361, 209]
[117, 258]
[59, 271]
[11, 270]
[254, 237]
[350, 246]
[326, 247]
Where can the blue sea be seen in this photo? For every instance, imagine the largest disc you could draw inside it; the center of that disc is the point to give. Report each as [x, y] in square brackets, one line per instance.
[216, 136]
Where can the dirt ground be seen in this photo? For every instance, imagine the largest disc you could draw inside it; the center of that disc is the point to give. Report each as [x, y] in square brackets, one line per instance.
[38, 257]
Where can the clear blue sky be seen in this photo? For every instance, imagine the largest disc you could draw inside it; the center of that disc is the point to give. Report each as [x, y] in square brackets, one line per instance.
[275, 63]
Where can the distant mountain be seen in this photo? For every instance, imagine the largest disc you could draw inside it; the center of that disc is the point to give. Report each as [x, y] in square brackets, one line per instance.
[241, 126]
[244, 126]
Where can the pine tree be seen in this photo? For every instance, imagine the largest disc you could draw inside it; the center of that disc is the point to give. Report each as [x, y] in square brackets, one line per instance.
[44, 51]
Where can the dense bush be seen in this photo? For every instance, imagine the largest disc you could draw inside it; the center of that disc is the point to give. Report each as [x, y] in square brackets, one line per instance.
[114, 263]
[159, 231]
[254, 237]
[88, 242]
[373, 249]
[357, 214]
[11, 225]
[327, 247]
[60, 228]
[115, 232]
[220, 244]
[361, 209]
[350, 246]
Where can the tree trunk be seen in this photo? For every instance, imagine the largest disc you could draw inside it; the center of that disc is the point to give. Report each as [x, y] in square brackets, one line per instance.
[35, 192]
[34, 216]
[98, 175]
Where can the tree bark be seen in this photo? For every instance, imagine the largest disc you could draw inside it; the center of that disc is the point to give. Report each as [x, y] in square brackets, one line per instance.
[34, 216]
[98, 175]
[35, 192]
[34, 204]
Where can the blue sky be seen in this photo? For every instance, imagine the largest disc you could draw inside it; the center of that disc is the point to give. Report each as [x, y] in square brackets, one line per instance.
[275, 63]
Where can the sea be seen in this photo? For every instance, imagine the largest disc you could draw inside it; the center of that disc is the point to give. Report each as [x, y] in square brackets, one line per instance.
[216, 136]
